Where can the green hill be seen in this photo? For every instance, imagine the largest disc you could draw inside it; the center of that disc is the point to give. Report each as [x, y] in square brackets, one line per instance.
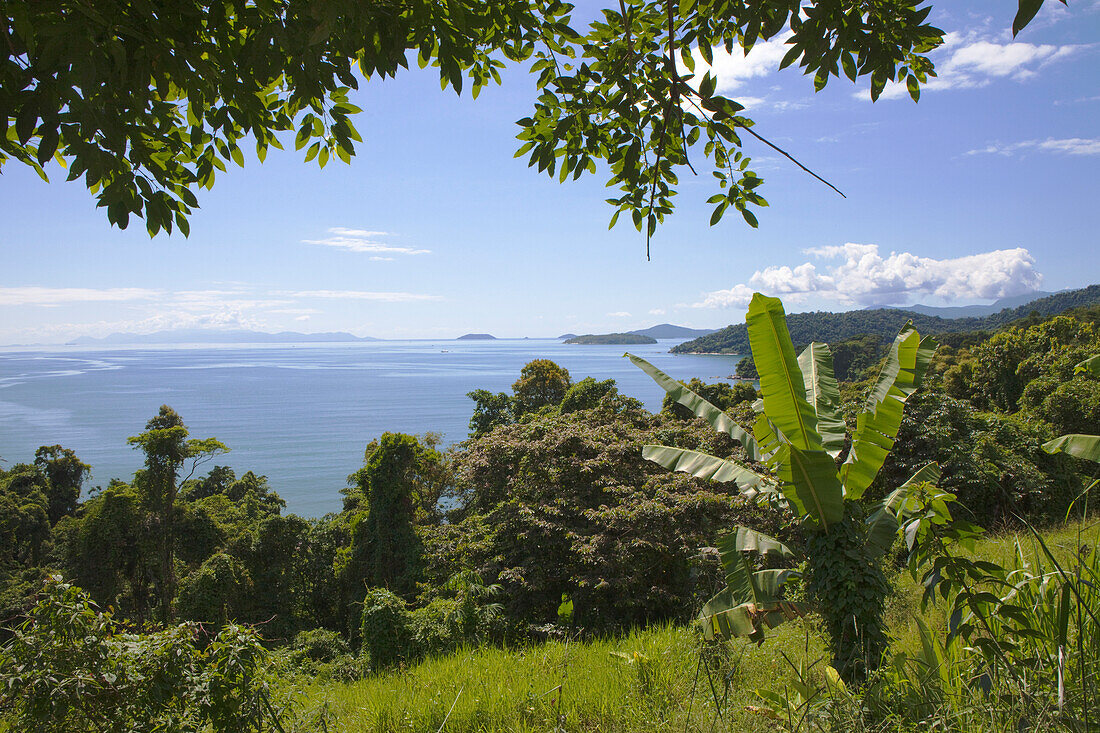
[885, 322]
[612, 338]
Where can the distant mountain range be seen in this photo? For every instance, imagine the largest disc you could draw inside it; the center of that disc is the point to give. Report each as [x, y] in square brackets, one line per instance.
[885, 322]
[213, 336]
[477, 337]
[974, 311]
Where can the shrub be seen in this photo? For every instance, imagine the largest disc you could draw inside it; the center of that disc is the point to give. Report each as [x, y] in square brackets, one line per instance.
[319, 645]
[436, 628]
[324, 654]
[70, 667]
[385, 628]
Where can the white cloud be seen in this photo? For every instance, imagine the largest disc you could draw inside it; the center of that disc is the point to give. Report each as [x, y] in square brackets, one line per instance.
[738, 295]
[362, 233]
[862, 276]
[385, 297]
[362, 240]
[139, 310]
[167, 320]
[1068, 146]
[619, 314]
[59, 296]
[657, 312]
[973, 61]
[296, 311]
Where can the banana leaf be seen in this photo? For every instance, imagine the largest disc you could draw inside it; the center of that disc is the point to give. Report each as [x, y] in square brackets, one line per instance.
[1089, 366]
[877, 426]
[706, 466]
[743, 539]
[809, 482]
[1081, 446]
[760, 587]
[781, 381]
[767, 436]
[679, 392]
[724, 617]
[823, 393]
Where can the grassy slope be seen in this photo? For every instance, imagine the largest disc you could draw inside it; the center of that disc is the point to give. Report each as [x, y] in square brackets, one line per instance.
[499, 690]
[655, 690]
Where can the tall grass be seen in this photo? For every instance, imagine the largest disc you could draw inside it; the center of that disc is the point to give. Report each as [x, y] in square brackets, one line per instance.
[650, 680]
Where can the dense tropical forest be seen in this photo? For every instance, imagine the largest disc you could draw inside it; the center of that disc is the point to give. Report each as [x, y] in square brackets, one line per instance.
[885, 322]
[185, 593]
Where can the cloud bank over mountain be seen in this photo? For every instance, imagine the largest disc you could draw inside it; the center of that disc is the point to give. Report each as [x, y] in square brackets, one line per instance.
[858, 275]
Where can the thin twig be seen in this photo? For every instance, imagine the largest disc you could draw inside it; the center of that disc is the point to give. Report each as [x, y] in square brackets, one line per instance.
[789, 157]
[776, 148]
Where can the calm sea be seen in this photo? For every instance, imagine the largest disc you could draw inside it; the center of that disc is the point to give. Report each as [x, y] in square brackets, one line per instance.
[300, 414]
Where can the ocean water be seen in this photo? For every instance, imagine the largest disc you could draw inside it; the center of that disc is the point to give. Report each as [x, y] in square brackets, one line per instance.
[300, 414]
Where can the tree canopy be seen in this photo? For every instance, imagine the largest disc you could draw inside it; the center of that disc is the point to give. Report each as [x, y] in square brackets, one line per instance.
[148, 100]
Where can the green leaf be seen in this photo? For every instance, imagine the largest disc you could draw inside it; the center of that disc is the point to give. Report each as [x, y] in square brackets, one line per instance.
[877, 426]
[680, 393]
[1064, 605]
[724, 618]
[1089, 366]
[809, 481]
[708, 85]
[565, 610]
[886, 516]
[744, 539]
[704, 466]
[823, 393]
[1027, 10]
[781, 381]
[1081, 446]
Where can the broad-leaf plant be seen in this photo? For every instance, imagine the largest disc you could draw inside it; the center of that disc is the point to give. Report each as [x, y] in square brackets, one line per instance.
[820, 475]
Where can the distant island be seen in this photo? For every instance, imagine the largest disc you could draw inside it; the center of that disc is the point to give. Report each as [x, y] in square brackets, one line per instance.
[477, 337]
[612, 338]
[217, 336]
[669, 331]
[660, 331]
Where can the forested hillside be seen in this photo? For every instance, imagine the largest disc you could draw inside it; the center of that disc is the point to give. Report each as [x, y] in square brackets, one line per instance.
[884, 323]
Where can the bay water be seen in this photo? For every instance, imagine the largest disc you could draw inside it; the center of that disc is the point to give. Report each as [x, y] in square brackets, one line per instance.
[301, 414]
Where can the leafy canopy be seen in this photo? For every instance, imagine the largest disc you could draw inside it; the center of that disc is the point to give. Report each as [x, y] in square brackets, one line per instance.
[148, 100]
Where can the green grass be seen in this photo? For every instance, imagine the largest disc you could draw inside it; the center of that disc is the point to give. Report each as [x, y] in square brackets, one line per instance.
[649, 680]
[572, 686]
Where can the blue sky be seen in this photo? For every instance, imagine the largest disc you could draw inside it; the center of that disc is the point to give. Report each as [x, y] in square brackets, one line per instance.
[988, 187]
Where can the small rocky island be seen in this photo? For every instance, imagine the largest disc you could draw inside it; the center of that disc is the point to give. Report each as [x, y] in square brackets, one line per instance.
[477, 337]
[622, 339]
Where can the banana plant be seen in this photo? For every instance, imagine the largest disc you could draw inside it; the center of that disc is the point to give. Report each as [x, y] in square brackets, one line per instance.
[799, 434]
